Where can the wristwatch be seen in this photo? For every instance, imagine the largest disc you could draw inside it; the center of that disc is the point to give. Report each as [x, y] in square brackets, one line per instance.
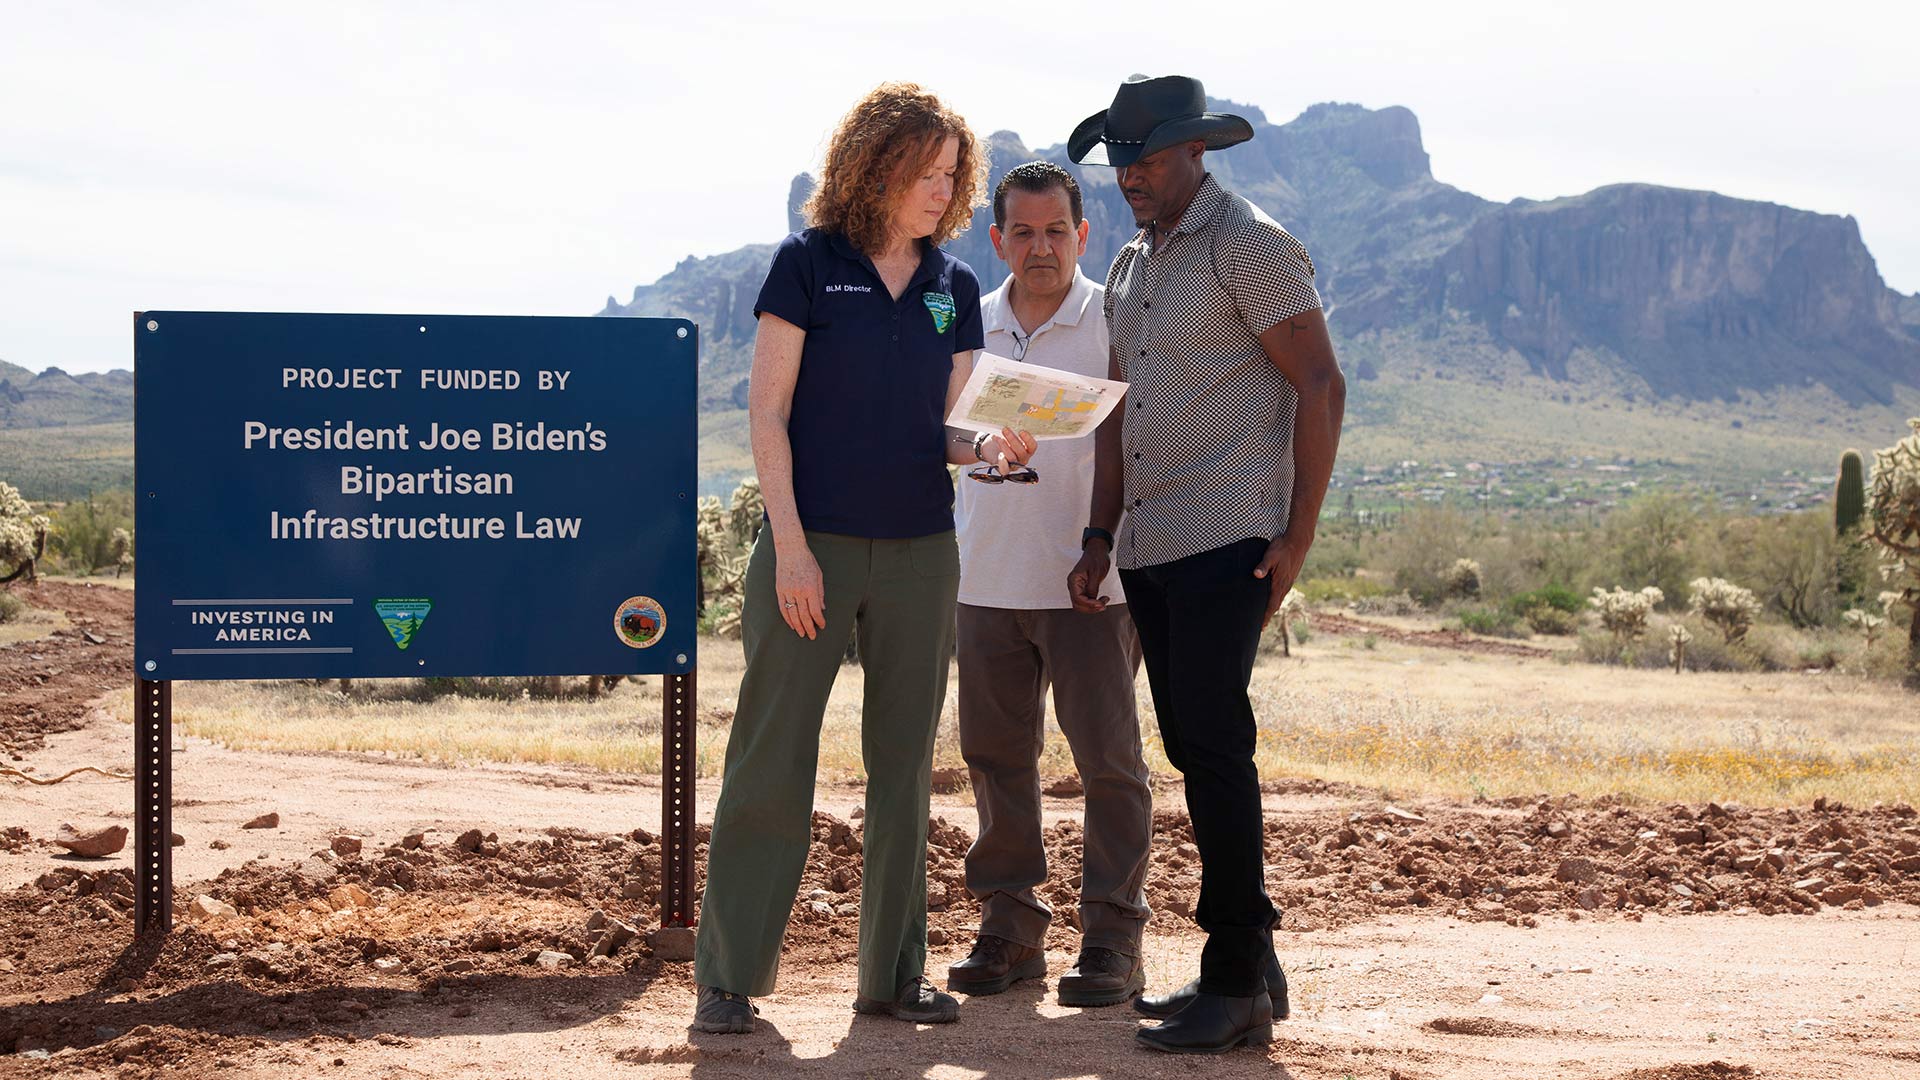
[1095, 532]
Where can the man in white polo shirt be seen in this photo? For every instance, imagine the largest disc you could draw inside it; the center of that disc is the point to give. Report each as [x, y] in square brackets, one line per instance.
[1018, 633]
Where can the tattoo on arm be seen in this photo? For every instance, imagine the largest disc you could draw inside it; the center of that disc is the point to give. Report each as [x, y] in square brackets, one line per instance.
[1294, 327]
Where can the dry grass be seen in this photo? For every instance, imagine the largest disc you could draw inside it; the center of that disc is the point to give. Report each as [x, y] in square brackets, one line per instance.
[31, 624]
[1431, 721]
[1403, 719]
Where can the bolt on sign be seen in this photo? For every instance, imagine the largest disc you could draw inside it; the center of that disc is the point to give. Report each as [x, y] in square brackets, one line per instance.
[368, 496]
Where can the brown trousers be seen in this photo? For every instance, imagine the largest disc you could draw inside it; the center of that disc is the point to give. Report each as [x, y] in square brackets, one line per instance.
[1008, 657]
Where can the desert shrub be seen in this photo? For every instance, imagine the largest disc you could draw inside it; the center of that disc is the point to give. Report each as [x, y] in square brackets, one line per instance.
[1494, 622]
[1792, 562]
[82, 537]
[1332, 556]
[1422, 548]
[1330, 590]
[1555, 596]
[1396, 604]
[1730, 608]
[10, 607]
[1649, 540]
[1551, 620]
[1601, 647]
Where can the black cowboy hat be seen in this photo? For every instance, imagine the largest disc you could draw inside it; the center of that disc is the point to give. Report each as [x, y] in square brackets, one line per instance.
[1149, 115]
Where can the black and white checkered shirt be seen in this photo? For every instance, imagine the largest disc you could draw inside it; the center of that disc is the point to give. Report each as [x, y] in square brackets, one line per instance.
[1208, 433]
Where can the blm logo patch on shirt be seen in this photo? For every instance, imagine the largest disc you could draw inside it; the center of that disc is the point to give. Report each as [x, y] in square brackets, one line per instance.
[940, 306]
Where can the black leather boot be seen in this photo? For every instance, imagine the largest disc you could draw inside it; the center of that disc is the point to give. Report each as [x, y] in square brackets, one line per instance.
[1162, 1006]
[1213, 1024]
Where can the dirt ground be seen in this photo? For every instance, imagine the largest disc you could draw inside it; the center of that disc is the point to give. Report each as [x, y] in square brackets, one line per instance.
[1425, 939]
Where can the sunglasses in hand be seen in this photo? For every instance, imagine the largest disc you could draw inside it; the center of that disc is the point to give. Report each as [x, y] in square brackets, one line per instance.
[987, 474]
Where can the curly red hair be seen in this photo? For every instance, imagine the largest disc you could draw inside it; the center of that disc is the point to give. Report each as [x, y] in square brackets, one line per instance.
[896, 130]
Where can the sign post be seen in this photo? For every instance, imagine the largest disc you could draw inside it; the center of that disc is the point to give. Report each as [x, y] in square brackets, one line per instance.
[378, 496]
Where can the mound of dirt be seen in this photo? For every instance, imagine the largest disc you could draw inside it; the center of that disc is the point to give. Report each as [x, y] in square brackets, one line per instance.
[325, 943]
[1574, 855]
[1483, 1026]
[1712, 1070]
[45, 685]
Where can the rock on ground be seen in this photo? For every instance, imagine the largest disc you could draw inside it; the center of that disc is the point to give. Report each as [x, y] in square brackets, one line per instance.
[92, 843]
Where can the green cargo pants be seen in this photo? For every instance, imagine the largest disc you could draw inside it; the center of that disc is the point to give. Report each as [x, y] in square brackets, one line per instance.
[900, 594]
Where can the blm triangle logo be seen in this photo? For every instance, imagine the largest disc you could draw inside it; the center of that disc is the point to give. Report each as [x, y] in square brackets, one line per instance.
[402, 618]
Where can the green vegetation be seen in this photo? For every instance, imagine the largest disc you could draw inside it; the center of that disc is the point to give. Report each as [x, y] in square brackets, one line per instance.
[59, 463]
[94, 533]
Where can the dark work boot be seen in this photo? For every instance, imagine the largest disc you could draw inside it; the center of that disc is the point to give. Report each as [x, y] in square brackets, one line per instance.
[995, 964]
[1164, 1005]
[1213, 1024]
[1102, 977]
[917, 1002]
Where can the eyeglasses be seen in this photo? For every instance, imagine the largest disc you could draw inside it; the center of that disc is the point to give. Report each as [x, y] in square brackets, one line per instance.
[987, 474]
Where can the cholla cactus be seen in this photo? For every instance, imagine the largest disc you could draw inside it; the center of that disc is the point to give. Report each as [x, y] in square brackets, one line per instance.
[1624, 613]
[1462, 578]
[726, 533]
[1866, 622]
[1725, 605]
[1293, 609]
[1893, 524]
[1678, 637]
[712, 542]
[120, 548]
[23, 535]
[748, 510]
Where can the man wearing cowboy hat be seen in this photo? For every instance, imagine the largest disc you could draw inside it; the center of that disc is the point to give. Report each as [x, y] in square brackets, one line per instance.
[1220, 457]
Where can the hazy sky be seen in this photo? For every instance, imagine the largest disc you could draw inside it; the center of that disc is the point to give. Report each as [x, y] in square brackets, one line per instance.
[518, 158]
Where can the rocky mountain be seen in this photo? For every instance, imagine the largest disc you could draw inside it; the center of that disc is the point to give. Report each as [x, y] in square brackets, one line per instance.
[54, 398]
[1652, 292]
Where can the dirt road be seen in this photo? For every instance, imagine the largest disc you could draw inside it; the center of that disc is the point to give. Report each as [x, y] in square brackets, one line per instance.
[1557, 938]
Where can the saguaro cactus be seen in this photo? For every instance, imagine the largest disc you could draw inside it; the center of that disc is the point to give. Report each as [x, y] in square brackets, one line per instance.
[1849, 495]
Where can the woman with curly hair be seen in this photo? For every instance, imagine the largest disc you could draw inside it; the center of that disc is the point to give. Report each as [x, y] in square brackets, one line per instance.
[866, 336]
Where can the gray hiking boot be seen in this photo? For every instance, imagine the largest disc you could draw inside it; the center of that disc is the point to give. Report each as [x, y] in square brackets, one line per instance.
[722, 1012]
[917, 1003]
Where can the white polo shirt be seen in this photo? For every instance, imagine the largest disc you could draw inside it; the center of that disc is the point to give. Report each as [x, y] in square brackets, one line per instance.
[1018, 542]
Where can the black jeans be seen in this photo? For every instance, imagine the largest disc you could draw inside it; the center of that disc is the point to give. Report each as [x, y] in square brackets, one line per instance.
[1199, 624]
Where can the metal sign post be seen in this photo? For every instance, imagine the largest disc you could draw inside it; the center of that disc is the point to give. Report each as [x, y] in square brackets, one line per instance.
[676, 802]
[152, 807]
[379, 496]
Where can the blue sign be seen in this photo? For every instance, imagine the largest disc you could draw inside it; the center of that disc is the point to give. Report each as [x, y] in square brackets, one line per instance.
[365, 496]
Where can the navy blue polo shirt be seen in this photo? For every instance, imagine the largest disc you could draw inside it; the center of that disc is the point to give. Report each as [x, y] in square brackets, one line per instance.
[868, 426]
